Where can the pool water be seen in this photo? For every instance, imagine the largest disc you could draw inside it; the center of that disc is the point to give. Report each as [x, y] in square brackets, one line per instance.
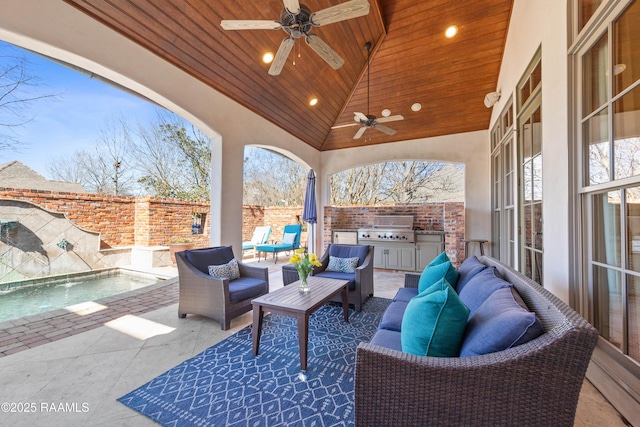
[52, 294]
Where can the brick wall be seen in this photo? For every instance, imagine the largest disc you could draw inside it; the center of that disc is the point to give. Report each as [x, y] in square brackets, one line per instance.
[447, 217]
[116, 218]
[149, 221]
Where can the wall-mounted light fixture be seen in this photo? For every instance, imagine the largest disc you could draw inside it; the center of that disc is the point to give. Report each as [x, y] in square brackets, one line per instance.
[491, 98]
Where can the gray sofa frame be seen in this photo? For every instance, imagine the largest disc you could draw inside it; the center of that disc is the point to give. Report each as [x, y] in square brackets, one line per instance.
[535, 384]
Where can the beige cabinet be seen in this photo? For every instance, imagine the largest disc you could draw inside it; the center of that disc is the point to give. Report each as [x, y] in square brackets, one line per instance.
[428, 246]
[345, 237]
[395, 257]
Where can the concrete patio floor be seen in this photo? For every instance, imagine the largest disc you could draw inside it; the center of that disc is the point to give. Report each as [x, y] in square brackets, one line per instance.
[76, 379]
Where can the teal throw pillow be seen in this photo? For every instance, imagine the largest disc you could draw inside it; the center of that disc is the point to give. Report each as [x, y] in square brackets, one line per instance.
[433, 273]
[433, 323]
[443, 257]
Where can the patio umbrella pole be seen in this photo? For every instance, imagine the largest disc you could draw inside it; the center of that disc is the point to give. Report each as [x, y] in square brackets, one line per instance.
[309, 209]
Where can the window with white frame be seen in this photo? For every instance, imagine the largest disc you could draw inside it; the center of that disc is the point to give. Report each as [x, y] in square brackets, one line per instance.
[608, 110]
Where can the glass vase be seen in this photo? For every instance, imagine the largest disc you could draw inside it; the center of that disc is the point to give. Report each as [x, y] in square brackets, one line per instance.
[303, 286]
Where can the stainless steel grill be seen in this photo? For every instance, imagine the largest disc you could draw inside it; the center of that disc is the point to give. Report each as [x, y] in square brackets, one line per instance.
[386, 228]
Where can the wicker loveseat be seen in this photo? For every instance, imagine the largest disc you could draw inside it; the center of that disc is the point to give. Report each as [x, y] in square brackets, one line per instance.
[533, 384]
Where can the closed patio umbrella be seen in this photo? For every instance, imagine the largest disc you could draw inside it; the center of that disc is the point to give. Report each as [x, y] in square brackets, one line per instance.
[309, 213]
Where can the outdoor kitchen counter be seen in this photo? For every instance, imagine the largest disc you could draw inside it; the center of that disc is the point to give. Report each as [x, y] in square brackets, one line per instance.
[430, 232]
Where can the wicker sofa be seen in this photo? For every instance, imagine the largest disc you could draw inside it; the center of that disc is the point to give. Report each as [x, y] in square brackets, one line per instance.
[533, 384]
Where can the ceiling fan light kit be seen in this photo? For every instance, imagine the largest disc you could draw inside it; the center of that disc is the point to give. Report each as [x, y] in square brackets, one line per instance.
[367, 121]
[297, 21]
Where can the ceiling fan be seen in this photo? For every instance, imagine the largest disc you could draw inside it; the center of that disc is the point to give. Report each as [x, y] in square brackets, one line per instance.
[368, 120]
[297, 21]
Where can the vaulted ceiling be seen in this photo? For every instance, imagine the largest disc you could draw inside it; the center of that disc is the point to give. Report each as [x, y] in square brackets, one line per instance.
[411, 62]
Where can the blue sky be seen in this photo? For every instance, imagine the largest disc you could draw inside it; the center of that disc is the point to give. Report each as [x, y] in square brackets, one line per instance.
[73, 121]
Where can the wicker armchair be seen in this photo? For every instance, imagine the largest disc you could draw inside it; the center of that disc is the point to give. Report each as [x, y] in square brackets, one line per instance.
[218, 299]
[361, 282]
[534, 384]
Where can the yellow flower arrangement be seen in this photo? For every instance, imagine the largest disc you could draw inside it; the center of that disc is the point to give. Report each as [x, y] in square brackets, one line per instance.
[304, 263]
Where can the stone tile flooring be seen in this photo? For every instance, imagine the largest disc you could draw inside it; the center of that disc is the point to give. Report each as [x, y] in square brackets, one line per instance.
[29, 332]
[65, 356]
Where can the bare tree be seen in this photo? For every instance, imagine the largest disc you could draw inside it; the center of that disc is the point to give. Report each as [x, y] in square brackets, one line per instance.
[397, 183]
[358, 186]
[105, 167]
[18, 93]
[173, 159]
[164, 159]
[271, 179]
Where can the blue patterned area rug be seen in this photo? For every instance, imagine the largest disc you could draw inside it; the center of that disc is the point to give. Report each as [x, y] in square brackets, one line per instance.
[227, 386]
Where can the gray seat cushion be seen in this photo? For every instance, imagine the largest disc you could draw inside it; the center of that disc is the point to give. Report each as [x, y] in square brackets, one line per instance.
[351, 277]
[245, 288]
[388, 339]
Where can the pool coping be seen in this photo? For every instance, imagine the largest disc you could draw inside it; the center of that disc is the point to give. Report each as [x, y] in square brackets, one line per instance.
[31, 331]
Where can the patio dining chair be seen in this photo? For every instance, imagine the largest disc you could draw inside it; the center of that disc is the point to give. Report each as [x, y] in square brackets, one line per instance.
[290, 241]
[260, 237]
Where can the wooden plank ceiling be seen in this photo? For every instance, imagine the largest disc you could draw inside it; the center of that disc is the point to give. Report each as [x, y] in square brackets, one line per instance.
[411, 62]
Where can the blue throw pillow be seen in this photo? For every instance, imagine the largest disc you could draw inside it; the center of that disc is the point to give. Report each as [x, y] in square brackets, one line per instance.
[469, 268]
[434, 322]
[483, 284]
[501, 322]
[433, 273]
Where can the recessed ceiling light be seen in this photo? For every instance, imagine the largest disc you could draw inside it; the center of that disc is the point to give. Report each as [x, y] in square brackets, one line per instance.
[313, 101]
[386, 112]
[267, 58]
[451, 31]
[416, 107]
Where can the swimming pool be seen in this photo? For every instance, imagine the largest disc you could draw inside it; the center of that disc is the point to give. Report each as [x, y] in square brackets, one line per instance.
[29, 297]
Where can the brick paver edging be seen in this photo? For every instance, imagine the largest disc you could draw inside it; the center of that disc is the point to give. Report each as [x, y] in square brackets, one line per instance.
[28, 332]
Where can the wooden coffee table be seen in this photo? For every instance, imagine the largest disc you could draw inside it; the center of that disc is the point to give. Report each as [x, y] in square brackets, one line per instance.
[290, 302]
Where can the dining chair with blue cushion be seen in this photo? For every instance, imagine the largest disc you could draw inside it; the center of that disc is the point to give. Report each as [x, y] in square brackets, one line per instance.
[353, 263]
[214, 284]
[290, 241]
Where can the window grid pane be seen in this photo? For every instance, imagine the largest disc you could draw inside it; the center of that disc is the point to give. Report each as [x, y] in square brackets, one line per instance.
[595, 91]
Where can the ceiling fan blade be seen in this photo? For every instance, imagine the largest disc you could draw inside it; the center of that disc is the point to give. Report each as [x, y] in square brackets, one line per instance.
[240, 24]
[344, 126]
[340, 12]
[360, 132]
[292, 6]
[390, 118]
[281, 56]
[324, 51]
[358, 117]
[384, 129]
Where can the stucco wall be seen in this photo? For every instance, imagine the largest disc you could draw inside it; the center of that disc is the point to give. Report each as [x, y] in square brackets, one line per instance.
[534, 24]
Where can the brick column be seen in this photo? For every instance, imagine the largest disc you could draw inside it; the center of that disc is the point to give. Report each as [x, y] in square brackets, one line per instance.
[143, 221]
